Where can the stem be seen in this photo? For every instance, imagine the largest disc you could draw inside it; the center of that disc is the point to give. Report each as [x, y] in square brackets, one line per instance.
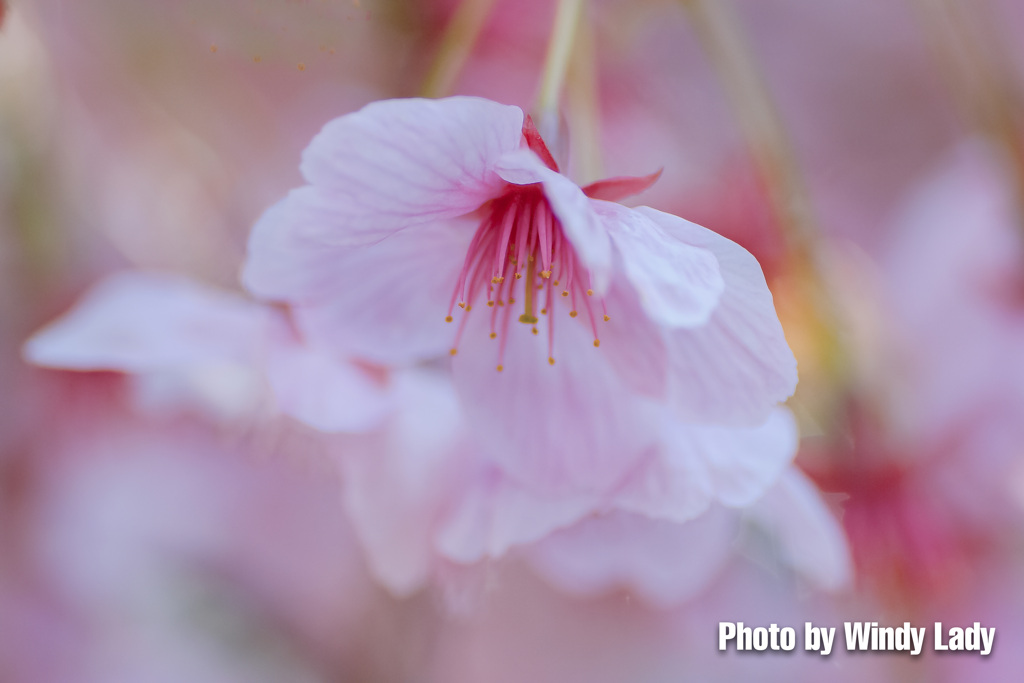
[975, 69]
[806, 292]
[718, 31]
[556, 64]
[460, 36]
[584, 106]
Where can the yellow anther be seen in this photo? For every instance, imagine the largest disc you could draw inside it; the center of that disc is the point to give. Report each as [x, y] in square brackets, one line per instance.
[500, 302]
[468, 308]
[534, 330]
[500, 368]
[555, 283]
[447, 318]
[551, 361]
[462, 304]
[572, 314]
[543, 311]
[491, 304]
[597, 342]
[529, 259]
[494, 335]
[453, 352]
[565, 292]
[545, 274]
[519, 276]
[607, 317]
[590, 292]
[511, 301]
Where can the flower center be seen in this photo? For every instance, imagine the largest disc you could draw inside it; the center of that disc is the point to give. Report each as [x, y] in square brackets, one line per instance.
[520, 256]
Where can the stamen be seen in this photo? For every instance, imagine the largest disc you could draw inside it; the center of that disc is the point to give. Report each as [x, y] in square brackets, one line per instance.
[506, 230]
[521, 240]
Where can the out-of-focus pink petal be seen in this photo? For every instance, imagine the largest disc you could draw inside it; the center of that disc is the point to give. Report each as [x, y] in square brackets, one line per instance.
[678, 285]
[399, 481]
[745, 462]
[399, 163]
[325, 392]
[738, 366]
[664, 562]
[571, 206]
[554, 428]
[142, 321]
[384, 302]
[698, 464]
[810, 536]
[495, 514]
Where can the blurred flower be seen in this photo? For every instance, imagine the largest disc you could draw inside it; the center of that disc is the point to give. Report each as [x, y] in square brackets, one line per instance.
[188, 343]
[414, 206]
[424, 503]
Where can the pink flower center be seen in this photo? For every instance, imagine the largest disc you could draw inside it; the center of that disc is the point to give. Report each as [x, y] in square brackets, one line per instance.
[520, 261]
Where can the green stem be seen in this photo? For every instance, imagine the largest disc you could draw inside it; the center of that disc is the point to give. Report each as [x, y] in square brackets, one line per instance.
[556, 65]
[456, 45]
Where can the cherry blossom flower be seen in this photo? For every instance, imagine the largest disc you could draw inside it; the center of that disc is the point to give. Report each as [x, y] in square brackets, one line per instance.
[443, 226]
[216, 350]
[424, 502]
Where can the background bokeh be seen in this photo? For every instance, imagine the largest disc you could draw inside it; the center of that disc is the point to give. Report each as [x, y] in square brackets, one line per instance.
[145, 538]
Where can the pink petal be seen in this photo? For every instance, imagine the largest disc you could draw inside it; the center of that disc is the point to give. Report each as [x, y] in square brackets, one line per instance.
[568, 427]
[698, 464]
[384, 302]
[142, 322]
[678, 285]
[808, 532]
[495, 514]
[572, 208]
[746, 462]
[631, 343]
[665, 563]
[325, 392]
[737, 367]
[619, 188]
[398, 482]
[400, 163]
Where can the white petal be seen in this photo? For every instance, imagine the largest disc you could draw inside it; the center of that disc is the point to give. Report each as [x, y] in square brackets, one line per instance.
[679, 285]
[738, 366]
[573, 209]
[399, 163]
